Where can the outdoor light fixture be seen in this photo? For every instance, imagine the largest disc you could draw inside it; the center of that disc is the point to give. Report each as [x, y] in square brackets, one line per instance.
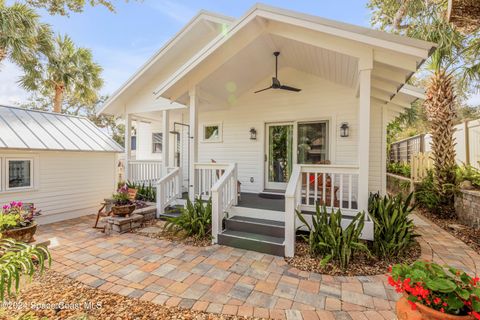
[253, 134]
[344, 130]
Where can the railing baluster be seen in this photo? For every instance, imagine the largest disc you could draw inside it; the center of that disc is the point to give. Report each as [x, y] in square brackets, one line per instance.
[324, 188]
[341, 191]
[349, 191]
[332, 190]
[308, 189]
[315, 191]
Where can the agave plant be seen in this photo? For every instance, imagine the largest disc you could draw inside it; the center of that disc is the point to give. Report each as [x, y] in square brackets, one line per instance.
[394, 230]
[327, 238]
[18, 259]
[195, 219]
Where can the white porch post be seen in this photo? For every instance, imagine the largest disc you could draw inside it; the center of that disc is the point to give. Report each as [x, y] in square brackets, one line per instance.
[193, 145]
[166, 141]
[383, 190]
[365, 68]
[128, 144]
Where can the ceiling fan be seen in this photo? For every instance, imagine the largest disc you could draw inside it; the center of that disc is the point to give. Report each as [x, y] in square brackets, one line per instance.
[275, 82]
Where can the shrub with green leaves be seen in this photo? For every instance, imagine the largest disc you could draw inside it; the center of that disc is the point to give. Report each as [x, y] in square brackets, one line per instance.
[18, 259]
[441, 288]
[328, 239]
[195, 219]
[426, 195]
[144, 192]
[469, 173]
[393, 228]
[400, 168]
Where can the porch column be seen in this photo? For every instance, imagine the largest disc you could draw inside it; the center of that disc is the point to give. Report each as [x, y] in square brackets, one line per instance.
[193, 145]
[128, 144]
[364, 137]
[383, 190]
[165, 141]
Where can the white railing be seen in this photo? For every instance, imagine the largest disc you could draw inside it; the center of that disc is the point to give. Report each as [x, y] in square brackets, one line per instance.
[206, 176]
[329, 185]
[169, 188]
[144, 171]
[224, 196]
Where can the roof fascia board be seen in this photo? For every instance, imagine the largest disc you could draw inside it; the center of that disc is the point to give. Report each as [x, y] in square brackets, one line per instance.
[202, 15]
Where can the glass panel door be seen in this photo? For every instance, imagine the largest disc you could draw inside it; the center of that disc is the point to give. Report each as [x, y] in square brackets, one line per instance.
[312, 143]
[279, 155]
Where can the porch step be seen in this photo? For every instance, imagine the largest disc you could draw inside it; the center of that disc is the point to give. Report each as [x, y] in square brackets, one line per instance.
[171, 212]
[261, 235]
[272, 194]
[254, 225]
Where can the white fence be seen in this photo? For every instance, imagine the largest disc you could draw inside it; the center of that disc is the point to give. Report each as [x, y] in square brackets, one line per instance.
[144, 171]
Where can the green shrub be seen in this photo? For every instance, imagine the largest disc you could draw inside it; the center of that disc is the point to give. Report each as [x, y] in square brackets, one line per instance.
[17, 259]
[400, 168]
[468, 173]
[426, 195]
[195, 219]
[144, 192]
[393, 229]
[8, 221]
[327, 238]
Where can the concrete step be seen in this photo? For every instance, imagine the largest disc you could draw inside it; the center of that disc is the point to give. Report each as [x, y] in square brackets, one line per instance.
[254, 225]
[171, 212]
[253, 241]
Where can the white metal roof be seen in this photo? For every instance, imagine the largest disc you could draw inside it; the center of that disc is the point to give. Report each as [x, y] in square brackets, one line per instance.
[38, 130]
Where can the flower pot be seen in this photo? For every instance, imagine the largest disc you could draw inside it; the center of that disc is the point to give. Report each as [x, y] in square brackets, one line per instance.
[123, 211]
[24, 234]
[422, 312]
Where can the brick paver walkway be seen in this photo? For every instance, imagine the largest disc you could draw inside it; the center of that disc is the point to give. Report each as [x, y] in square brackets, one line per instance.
[226, 280]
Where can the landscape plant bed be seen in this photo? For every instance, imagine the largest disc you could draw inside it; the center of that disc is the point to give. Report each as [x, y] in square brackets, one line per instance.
[154, 229]
[360, 265]
[53, 288]
[469, 235]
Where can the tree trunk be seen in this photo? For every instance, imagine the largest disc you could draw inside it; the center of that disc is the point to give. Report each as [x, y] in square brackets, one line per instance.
[400, 14]
[57, 102]
[440, 109]
[3, 54]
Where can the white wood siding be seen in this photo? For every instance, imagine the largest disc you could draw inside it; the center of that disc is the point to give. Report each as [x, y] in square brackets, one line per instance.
[70, 184]
[144, 140]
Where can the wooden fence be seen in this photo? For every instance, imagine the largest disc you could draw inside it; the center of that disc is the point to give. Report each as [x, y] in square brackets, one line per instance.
[403, 150]
[419, 166]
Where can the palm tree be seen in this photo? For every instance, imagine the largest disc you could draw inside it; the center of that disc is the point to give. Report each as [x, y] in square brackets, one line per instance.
[68, 71]
[22, 36]
[453, 66]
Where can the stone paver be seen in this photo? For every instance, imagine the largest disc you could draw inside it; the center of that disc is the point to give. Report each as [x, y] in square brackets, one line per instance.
[227, 280]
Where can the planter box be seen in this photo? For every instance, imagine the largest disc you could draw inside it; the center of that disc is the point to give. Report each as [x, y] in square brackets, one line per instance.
[467, 207]
[24, 234]
[148, 213]
[124, 224]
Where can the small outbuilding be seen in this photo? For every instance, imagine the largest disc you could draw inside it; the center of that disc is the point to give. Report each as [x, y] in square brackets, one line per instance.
[63, 164]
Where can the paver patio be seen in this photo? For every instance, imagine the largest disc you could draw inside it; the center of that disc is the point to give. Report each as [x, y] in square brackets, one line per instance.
[228, 280]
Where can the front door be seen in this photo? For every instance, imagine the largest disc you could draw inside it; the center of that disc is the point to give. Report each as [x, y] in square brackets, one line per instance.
[279, 155]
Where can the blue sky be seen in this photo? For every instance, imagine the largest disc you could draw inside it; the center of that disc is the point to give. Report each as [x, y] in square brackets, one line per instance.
[122, 41]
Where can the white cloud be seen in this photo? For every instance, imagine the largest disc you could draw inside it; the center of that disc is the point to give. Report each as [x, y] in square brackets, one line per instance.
[177, 11]
[10, 92]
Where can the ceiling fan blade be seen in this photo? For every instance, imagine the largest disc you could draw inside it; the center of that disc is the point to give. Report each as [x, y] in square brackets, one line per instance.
[290, 88]
[263, 89]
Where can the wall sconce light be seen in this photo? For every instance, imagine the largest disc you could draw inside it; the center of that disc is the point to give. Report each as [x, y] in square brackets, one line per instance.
[253, 134]
[344, 130]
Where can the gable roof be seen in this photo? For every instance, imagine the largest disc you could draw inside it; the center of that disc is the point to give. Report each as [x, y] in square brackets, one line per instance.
[38, 130]
[203, 15]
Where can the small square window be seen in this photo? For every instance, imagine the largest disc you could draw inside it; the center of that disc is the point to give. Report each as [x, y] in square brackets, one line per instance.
[19, 173]
[212, 133]
[157, 142]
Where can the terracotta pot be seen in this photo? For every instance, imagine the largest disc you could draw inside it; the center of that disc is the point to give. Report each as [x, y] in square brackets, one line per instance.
[24, 234]
[405, 312]
[123, 211]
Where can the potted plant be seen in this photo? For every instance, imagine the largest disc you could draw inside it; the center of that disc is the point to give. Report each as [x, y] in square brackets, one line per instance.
[122, 205]
[17, 223]
[432, 292]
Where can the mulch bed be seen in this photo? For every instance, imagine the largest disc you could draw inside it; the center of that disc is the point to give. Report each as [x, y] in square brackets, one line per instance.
[161, 234]
[53, 288]
[360, 264]
[470, 236]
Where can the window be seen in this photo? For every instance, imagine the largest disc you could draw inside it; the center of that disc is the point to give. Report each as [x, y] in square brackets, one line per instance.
[19, 173]
[157, 139]
[212, 132]
[133, 143]
[313, 142]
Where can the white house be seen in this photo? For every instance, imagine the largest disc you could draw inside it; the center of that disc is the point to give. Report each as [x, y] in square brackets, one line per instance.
[65, 165]
[318, 134]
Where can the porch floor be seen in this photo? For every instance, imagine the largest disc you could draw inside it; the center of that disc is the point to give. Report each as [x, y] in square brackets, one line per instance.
[254, 201]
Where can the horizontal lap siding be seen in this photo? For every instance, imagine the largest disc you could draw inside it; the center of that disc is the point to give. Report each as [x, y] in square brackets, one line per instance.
[319, 99]
[375, 181]
[70, 184]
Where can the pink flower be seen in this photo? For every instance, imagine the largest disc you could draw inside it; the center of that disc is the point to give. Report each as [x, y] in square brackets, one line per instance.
[19, 204]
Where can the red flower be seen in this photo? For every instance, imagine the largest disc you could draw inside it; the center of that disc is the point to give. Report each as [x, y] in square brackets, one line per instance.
[437, 300]
[412, 305]
[442, 310]
[476, 315]
[444, 304]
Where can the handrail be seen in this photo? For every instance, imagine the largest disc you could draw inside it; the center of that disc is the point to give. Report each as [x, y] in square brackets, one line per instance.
[292, 201]
[224, 196]
[169, 189]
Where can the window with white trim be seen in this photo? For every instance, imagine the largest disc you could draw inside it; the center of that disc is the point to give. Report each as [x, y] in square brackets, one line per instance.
[18, 173]
[212, 132]
[157, 142]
